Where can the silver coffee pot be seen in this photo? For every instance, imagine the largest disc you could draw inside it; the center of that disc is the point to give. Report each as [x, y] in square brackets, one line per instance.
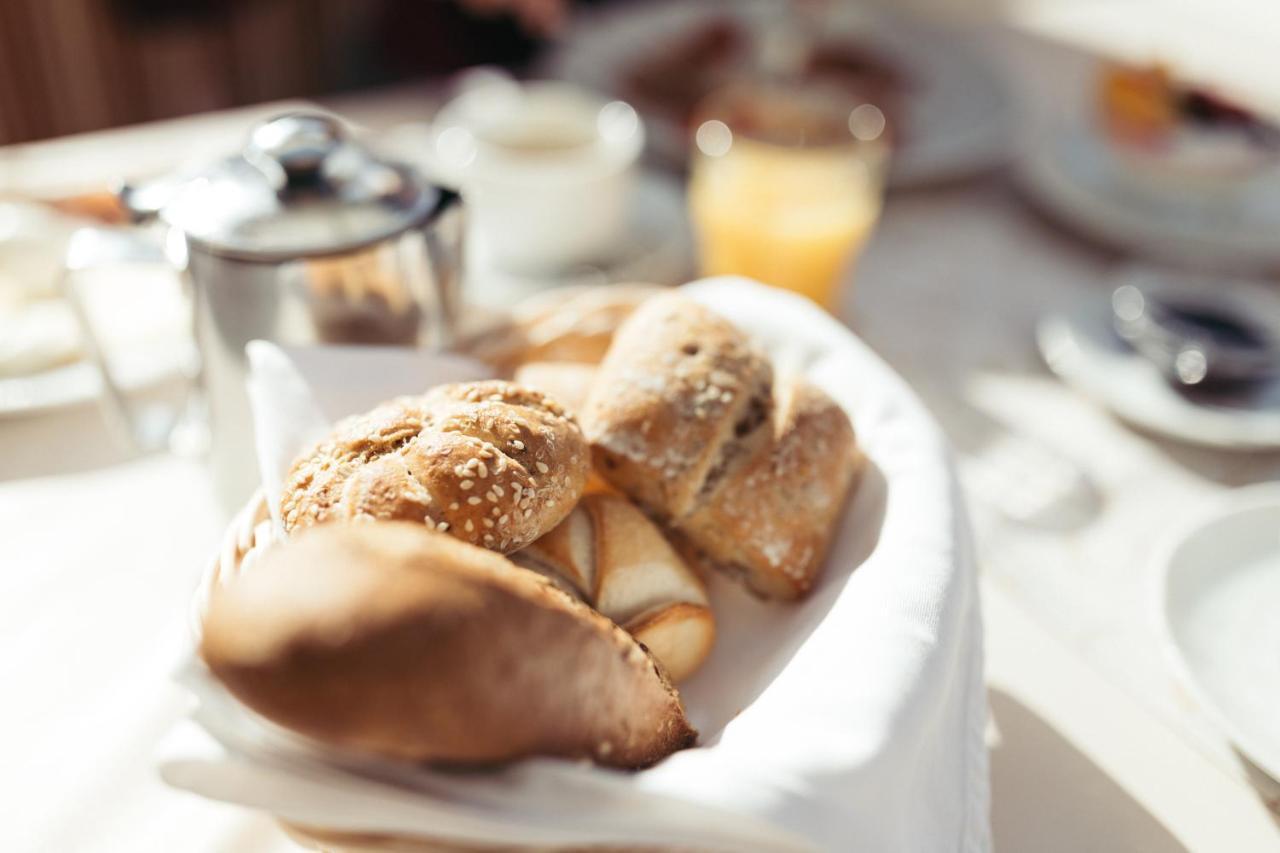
[303, 237]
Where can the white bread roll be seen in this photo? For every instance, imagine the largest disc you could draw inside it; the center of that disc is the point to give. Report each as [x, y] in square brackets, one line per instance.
[609, 553]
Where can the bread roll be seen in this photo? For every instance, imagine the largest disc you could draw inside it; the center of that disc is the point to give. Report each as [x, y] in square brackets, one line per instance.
[770, 517]
[569, 382]
[679, 388]
[684, 417]
[616, 559]
[565, 324]
[395, 640]
[492, 463]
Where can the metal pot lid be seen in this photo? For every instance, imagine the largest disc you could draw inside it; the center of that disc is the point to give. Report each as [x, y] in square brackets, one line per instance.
[301, 187]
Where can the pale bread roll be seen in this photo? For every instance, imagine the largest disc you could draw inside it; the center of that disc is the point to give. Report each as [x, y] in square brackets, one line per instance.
[748, 475]
[565, 324]
[392, 639]
[569, 382]
[618, 561]
[492, 463]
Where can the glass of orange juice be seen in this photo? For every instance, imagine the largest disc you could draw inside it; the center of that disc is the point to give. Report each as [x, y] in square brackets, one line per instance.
[786, 184]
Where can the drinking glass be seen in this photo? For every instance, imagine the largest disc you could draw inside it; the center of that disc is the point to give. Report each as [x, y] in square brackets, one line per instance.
[786, 184]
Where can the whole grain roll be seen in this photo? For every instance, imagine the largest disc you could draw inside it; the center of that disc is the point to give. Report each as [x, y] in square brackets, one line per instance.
[747, 475]
[768, 519]
[492, 463]
[678, 385]
[395, 640]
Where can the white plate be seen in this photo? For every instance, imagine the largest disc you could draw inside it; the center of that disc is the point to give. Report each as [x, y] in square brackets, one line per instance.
[1076, 178]
[959, 115]
[1080, 346]
[1220, 611]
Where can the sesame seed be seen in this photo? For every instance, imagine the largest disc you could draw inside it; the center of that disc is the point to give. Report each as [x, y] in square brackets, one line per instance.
[551, 504]
[495, 511]
[488, 537]
[504, 519]
[466, 484]
[488, 522]
[517, 444]
[726, 397]
[497, 490]
[542, 467]
[473, 500]
[528, 512]
[493, 499]
[483, 469]
[453, 505]
[442, 526]
[524, 504]
[469, 526]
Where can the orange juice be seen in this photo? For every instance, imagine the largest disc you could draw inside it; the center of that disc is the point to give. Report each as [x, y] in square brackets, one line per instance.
[787, 187]
[790, 217]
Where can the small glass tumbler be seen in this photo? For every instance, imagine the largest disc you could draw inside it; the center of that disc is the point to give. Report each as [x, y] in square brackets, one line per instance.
[786, 184]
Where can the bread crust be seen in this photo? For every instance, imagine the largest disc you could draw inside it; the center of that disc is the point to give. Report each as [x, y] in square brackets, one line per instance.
[392, 639]
[678, 384]
[769, 520]
[752, 485]
[492, 463]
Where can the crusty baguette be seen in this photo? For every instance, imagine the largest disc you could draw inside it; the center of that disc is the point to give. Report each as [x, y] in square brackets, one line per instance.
[392, 639]
[492, 463]
[749, 476]
[609, 553]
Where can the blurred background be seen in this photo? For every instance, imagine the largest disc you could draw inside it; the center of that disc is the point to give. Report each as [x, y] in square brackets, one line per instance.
[69, 67]
[1057, 219]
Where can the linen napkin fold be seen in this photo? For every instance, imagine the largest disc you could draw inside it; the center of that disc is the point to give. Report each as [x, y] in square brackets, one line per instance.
[851, 720]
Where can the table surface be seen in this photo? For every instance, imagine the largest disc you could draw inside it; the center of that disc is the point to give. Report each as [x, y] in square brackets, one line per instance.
[1095, 745]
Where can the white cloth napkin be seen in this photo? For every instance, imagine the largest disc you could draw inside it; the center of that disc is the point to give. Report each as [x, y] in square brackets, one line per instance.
[852, 720]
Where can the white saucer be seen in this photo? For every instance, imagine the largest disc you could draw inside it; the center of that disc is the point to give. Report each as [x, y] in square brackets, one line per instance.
[1077, 179]
[958, 113]
[1081, 347]
[1218, 606]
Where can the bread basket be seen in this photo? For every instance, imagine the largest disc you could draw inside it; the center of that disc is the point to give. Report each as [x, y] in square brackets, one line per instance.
[815, 716]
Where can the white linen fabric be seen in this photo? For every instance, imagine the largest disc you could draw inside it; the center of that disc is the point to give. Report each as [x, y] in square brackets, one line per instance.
[850, 721]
